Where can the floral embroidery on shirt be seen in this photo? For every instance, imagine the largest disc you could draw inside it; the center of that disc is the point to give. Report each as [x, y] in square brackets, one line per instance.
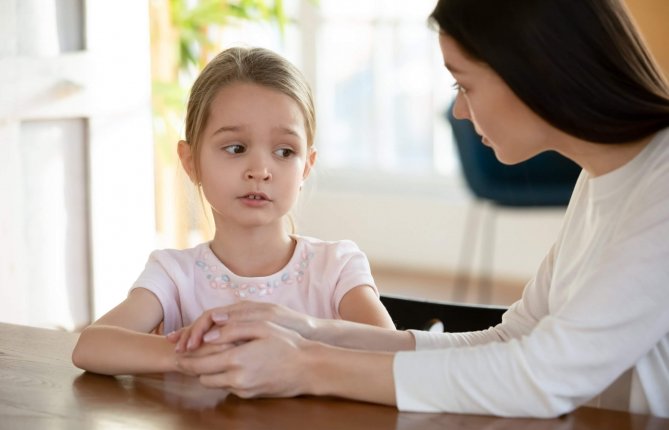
[219, 277]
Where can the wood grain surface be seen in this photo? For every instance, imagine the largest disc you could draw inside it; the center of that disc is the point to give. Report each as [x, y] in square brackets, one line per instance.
[41, 389]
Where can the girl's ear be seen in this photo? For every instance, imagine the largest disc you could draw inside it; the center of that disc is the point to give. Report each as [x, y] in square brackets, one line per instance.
[187, 161]
[311, 160]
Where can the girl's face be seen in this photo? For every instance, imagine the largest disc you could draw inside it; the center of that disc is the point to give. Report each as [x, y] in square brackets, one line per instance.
[253, 156]
[506, 124]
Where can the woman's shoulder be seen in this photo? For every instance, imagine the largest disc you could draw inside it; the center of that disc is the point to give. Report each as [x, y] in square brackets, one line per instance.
[659, 144]
[652, 169]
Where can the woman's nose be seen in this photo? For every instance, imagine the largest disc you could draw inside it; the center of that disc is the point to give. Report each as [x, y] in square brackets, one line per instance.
[460, 109]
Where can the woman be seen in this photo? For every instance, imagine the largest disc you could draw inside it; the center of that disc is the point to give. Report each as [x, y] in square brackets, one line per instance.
[560, 75]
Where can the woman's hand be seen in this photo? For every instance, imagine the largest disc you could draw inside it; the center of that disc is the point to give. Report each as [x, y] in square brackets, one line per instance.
[190, 338]
[261, 358]
[251, 359]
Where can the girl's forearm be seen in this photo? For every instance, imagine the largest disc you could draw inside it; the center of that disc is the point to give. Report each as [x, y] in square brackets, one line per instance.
[114, 350]
[352, 374]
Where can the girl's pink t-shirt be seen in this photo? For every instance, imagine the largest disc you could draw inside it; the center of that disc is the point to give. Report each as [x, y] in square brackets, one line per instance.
[188, 282]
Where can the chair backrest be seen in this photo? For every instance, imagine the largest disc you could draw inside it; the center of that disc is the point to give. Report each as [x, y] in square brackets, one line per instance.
[428, 315]
[545, 180]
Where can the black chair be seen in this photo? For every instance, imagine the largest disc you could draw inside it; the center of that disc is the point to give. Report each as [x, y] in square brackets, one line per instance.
[440, 316]
[543, 181]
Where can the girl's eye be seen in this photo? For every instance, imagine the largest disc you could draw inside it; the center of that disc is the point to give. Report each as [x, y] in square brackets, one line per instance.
[235, 149]
[284, 152]
[459, 88]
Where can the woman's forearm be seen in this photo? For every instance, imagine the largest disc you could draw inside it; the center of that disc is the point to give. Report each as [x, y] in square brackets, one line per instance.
[345, 334]
[352, 374]
[352, 335]
[112, 350]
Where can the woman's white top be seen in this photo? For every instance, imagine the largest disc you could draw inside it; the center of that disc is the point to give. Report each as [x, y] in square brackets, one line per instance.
[598, 306]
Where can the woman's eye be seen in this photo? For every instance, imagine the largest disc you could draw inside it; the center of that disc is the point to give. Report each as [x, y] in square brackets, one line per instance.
[234, 149]
[284, 152]
[459, 88]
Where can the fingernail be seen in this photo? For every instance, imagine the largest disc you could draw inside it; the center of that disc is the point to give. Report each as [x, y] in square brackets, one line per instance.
[211, 335]
[190, 344]
[219, 317]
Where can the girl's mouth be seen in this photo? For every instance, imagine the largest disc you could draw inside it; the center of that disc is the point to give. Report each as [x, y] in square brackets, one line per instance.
[255, 197]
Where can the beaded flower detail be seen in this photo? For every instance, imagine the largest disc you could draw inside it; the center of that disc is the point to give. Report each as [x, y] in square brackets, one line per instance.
[218, 279]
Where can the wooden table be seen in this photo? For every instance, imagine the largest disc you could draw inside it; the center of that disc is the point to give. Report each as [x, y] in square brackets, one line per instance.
[40, 388]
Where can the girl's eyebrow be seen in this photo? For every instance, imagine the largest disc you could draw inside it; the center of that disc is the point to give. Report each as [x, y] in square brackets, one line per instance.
[227, 128]
[236, 128]
[288, 130]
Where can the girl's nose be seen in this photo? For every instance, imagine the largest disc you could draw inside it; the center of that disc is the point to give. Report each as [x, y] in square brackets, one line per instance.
[258, 174]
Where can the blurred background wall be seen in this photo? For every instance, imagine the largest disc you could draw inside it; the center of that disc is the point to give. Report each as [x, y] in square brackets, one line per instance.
[91, 107]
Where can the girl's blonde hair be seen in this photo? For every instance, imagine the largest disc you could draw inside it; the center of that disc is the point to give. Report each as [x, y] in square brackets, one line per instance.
[251, 65]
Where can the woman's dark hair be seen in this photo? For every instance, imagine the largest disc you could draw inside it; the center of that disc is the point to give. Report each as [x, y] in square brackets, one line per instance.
[579, 64]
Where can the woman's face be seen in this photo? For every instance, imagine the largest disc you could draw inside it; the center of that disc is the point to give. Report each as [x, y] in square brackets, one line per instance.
[506, 124]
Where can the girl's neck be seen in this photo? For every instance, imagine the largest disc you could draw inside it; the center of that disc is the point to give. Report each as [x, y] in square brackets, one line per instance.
[253, 253]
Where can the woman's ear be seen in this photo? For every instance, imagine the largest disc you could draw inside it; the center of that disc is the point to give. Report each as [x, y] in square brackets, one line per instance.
[186, 157]
[311, 160]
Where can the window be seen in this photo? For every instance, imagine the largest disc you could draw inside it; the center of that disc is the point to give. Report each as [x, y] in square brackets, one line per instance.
[381, 88]
[378, 79]
[381, 92]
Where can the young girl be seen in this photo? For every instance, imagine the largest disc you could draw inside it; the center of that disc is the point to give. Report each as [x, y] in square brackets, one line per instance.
[593, 324]
[249, 147]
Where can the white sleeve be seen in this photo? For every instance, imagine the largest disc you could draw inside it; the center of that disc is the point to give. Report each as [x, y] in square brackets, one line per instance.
[571, 355]
[518, 320]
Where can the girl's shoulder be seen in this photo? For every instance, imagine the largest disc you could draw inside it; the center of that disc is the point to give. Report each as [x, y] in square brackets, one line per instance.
[182, 257]
[330, 255]
[320, 246]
